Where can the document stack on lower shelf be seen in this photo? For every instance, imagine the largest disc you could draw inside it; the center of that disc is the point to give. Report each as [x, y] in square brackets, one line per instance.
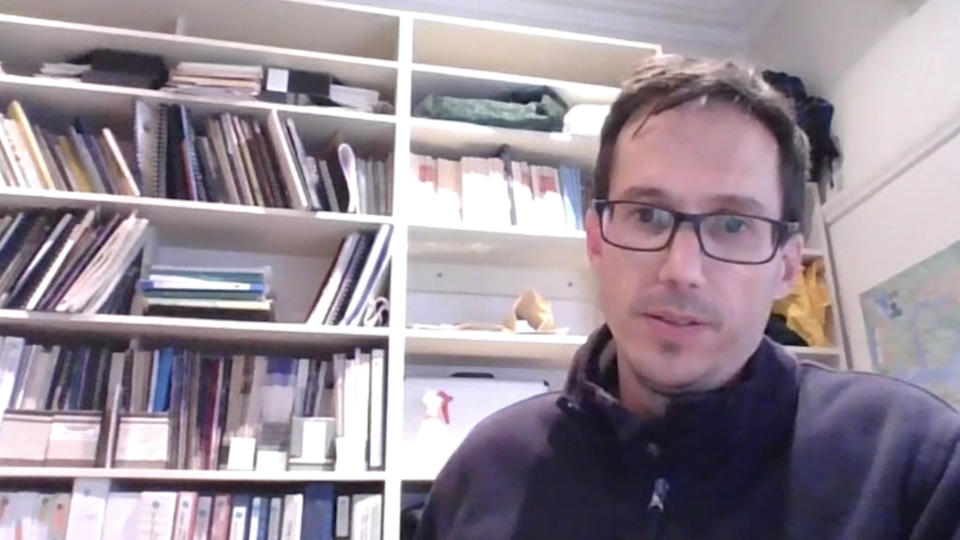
[220, 80]
[103, 405]
[217, 293]
[497, 192]
[95, 510]
[70, 261]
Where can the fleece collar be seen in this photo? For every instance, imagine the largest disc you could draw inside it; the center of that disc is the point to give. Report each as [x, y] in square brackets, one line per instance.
[757, 411]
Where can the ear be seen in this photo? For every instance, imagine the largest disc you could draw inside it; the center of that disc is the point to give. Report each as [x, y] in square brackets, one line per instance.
[792, 253]
[594, 236]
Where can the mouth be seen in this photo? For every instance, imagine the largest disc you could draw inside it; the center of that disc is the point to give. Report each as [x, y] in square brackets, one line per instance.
[676, 327]
[676, 319]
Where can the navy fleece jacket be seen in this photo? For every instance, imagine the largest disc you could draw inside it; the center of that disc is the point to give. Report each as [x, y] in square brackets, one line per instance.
[792, 450]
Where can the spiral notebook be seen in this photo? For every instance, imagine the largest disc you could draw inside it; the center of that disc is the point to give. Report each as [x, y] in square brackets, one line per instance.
[150, 139]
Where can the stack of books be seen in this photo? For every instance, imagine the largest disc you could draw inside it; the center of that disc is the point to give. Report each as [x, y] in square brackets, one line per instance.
[94, 510]
[497, 192]
[104, 405]
[80, 160]
[353, 292]
[63, 70]
[222, 80]
[217, 293]
[227, 159]
[70, 261]
[239, 160]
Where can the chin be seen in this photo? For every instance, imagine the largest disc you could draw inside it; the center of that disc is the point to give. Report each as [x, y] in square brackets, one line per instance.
[672, 368]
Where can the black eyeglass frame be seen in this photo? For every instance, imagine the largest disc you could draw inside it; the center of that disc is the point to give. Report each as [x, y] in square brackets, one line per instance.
[783, 229]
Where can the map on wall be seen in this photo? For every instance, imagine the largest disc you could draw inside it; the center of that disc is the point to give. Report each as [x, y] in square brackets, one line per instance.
[913, 324]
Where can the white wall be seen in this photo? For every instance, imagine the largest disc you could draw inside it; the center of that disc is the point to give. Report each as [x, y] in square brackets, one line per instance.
[819, 40]
[912, 218]
[893, 78]
[902, 91]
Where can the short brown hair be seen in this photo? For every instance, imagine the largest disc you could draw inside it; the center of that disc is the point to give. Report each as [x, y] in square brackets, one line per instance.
[665, 82]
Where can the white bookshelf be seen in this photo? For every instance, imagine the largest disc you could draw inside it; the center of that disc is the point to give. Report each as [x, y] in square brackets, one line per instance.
[445, 272]
[186, 475]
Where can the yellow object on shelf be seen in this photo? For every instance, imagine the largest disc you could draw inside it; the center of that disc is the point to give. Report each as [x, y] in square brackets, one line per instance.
[806, 307]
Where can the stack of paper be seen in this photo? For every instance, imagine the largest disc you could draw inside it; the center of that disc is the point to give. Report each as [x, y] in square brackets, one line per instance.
[218, 293]
[216, 79]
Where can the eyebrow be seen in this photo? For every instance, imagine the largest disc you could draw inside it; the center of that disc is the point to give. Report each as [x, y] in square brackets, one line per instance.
[647, 193]
[739, 203]
[730, 203]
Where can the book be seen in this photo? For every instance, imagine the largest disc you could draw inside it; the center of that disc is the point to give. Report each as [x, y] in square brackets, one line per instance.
[210, 168]
[21, 155]
[448, 196]
[424, 174]
[261, 166]
[17, 512]
[87, 508]
[19, 116]
[291, 174]
[275, 517]
[185, 516]
[292, 517]
[222, 517]
[239, 519]
[12, 170]
[329, 188]
[127, 184]
[243, 145]
[377, 404]
[370, 277]
[71, 241]
[474, 191]
[236, 161]
[97, 157]
[73, 166]
[351, 275]
[256, 511]
[309, 170]
[18, 294]
[120, 517]
[342, 519]
[150, 141]
[46, 152]
[231, 191]
[366, 516]
[204, 517]
[331, 284]
[498, 190]
[318, 500]
[157, 514]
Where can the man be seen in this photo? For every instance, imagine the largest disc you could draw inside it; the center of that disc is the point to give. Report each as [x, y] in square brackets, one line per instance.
[679, 419]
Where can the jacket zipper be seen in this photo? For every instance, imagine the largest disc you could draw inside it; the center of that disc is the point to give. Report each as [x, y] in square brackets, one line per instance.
[655, 509]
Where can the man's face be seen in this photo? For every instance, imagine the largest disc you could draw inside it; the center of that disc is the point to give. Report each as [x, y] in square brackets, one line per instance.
[681, 320]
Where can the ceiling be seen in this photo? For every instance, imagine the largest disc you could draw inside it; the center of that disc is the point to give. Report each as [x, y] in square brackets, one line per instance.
[707, 27]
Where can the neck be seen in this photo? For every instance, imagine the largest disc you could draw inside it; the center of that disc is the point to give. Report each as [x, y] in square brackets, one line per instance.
[640, 399]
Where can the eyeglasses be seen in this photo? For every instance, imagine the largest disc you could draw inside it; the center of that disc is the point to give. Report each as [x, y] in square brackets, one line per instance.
[728, 237]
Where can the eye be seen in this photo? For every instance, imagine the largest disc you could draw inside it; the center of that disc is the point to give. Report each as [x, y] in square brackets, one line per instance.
[733, 224]
[652, 216]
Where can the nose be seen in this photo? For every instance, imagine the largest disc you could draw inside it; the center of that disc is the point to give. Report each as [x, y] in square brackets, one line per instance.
[684, 263]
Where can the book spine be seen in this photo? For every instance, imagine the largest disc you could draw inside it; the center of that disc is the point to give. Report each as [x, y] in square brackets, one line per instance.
[221, 518]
